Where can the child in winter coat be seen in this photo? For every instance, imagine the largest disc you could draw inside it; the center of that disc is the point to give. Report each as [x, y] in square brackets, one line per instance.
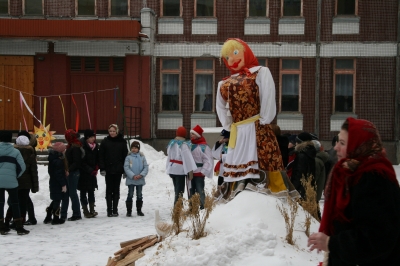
[57, 182]
[136, 169]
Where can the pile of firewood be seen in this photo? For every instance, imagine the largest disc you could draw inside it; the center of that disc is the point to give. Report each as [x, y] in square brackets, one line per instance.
[131, 251]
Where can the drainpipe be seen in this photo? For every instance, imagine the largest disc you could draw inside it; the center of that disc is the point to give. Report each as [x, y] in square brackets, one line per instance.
[317, 68]
[397, 103]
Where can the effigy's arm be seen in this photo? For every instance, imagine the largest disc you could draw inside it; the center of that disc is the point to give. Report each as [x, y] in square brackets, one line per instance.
[266, 86]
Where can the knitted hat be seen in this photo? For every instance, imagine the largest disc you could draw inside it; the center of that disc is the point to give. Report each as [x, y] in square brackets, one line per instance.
[181, 132]
[89, 133]
[71, 136]
[5, 136]
[24, 133]
[59, 147]
[22, 140]
[225, 133]
[197, 130]
[135, 144]
[303, 136]
[114, 126]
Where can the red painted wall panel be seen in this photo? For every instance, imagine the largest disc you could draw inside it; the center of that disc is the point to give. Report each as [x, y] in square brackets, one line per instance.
[51, 80]
[138, 90]
[61, 29]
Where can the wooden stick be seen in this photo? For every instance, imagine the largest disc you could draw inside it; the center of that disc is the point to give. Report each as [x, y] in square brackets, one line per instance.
[130, 247]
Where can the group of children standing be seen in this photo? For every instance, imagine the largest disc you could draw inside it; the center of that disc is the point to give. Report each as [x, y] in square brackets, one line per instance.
[189, 162]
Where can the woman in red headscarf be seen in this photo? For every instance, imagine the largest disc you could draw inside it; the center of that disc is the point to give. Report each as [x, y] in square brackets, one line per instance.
[246, 106]
[361, 218]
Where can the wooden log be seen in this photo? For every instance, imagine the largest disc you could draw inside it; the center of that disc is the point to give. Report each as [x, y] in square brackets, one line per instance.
[151, 243]
[129, 242]
[136, 244]
[111, 262]
[131, 257]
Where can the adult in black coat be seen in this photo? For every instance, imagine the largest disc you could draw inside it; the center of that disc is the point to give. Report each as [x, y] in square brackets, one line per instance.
[304, 163]
[89, 168]
[112, 153]
[361, 217]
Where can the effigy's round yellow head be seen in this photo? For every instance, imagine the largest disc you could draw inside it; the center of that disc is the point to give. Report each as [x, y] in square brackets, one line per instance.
[230, 46]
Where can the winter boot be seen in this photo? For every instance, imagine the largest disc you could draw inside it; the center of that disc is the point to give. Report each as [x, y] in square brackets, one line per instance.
[128, 208]
[20, 227]
[92, 211]
[139, 204]
[56, 218]
[8, 218]
[115, 206]
[86, 212]
[3, 227]
[109, 206]
[48, 219]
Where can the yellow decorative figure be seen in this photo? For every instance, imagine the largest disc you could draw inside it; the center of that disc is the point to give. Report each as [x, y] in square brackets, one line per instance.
[43, 137]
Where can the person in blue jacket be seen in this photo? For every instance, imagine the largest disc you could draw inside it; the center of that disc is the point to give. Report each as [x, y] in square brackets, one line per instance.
[12, 166]
[136, 169]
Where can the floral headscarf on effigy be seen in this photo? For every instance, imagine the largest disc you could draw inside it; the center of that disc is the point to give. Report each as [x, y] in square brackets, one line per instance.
[365, 153]
[233, 44]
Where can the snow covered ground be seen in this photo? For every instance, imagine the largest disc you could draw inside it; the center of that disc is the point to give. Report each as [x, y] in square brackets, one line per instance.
[247, 231]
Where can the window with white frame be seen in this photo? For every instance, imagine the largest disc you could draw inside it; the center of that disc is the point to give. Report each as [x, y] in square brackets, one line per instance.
[292, 8]
[171, 8]
[3, 7]
[346, 7]
[119, 8]
[85, 7]
[290, 85]
[204, 84]
[344, 84]
[33, 7]
[170, 84]
[205, 8]
[257, 8]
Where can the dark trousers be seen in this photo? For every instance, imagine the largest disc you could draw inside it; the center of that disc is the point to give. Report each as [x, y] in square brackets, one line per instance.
[12, 201]
[113, 181]
[198, 187]
[23, 195]
[90, 196]
[30, 209]
[72, 184]
[179, 185]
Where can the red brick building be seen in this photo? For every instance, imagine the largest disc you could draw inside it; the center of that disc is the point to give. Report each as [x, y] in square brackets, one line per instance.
[330, 59]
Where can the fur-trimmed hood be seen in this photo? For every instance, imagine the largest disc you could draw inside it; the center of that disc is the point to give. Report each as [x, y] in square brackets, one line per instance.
[306, 147]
